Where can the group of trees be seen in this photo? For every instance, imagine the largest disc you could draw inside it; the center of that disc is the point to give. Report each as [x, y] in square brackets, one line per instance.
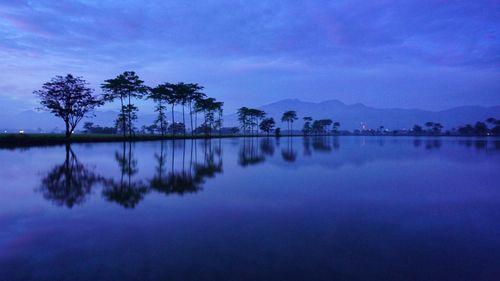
[71, 99]
[251, 118]
[318, 127]
[491, 126]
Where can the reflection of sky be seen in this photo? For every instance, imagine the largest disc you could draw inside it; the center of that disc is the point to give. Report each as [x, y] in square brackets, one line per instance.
[429, 54]
[391, 200]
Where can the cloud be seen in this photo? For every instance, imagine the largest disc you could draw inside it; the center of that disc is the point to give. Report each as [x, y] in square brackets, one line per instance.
[267, 41]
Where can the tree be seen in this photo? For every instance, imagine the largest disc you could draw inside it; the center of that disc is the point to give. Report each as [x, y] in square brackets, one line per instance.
[429, 126]
[194, 95]
[161, 94]
[267, 125]
[125, 86]
[307, 125]
[256, 115]
[417, 129]
[480, 128]
[436, 128]
[289, 117]
[336, 125]
[243, 118]
[69, 98]
[209, 107]
[88, 127]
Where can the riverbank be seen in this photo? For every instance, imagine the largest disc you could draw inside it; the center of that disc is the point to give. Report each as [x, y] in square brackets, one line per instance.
[28, 140]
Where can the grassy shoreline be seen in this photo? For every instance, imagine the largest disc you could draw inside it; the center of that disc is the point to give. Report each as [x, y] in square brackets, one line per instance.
[27, 140]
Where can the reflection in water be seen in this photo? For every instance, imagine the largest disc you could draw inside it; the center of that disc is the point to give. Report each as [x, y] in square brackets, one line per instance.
[409, 206]
[191, 176]
[71, 183]
[68, 184]
[184, 171]
[320, 143]
[249, 153]
[267, 146]
[126, 191]
[289, 154]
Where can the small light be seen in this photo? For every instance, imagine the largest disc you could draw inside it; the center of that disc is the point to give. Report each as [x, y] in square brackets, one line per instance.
[21, 132]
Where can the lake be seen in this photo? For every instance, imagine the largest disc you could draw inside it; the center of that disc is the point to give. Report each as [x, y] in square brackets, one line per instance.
[317, 208]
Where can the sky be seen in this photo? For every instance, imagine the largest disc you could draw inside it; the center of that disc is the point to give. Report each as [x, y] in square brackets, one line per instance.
[411, 54]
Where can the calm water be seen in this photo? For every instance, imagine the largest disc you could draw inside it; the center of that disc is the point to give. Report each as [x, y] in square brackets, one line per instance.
[349, 208]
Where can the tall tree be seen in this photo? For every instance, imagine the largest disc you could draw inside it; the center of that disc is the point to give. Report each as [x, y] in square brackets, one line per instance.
[69, 98]
[209, 107]
[267, 125]
[307, 125]
[125, 86]
[161, 94]
[289, 117]
[243, 118]
[193, 96]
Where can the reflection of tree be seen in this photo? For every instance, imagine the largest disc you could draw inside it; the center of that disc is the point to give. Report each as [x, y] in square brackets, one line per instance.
[433, 144]
[307, 145]
[125, 192]
[210, 166]
[289, 154]
[189, 178]
[249, 153]
[68, 184]
[320, 143]
[267, 146]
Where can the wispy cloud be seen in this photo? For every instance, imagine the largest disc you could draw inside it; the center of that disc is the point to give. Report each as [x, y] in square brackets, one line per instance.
[266, 40]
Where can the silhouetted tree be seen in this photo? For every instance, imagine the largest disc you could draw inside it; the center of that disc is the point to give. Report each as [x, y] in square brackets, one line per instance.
[267, 125]
[210, 107]
[336, 125]
[417, 129]
[125, 86]
[161, 94]
[244, 118]
[307, 129]
[69, 98]
[289, 117]
[277, 132]
[88, 127]
[480, 128]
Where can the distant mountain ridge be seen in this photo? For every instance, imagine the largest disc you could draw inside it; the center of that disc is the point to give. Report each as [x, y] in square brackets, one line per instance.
[351, 116]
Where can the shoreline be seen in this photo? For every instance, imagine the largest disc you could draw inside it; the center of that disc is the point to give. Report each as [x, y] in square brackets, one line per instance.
[32, 140]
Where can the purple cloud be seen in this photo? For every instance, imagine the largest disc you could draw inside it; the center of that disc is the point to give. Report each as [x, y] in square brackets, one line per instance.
[261, 45]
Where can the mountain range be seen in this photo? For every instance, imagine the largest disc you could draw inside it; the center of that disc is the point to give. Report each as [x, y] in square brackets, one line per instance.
[351, 116]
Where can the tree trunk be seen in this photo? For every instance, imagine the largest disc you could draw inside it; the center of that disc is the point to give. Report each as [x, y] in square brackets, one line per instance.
[129, 118]
[173, 121]
[161, 118]
[68, 129]
[184, 120]
[191, 117]
[124, 126]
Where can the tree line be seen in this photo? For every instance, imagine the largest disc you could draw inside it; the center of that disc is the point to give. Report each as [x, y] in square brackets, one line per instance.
[71, 99]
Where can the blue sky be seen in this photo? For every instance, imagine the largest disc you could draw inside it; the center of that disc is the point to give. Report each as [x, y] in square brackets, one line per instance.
[425, 54]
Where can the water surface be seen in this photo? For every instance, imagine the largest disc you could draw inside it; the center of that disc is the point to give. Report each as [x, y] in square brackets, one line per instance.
[319, 208]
